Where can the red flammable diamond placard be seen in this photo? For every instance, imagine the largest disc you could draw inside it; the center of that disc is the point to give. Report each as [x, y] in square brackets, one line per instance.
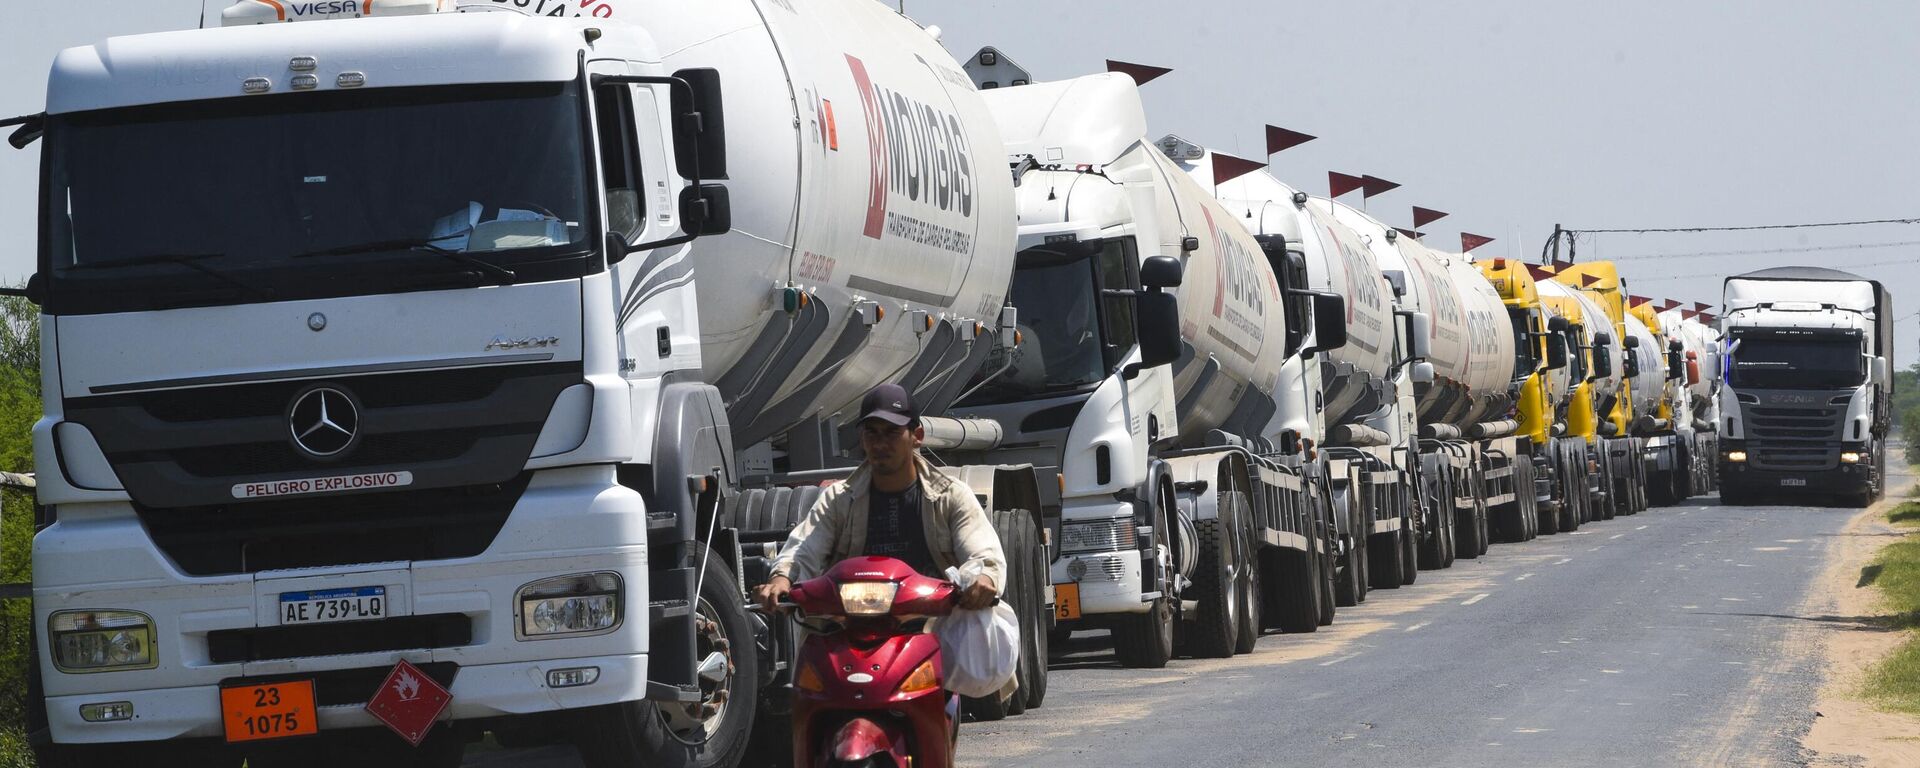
[409, 702]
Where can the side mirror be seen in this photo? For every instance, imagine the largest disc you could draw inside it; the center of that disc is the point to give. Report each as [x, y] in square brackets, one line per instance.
[1329, 321]
[1880, 374]
[1419, 335]
[1556, 350]
[1631, 365]
[1631, 342]
[1675, 368]
[1602, 359]
[706, 210]
[1557, 324]
[1160, 272]
[34, 291]
[1603, 339]
[1158, 321]
[1423, 373]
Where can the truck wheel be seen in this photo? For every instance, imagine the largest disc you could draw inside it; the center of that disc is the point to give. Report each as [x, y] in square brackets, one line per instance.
[1466, 534]
[1015, 530]
[1383, 560]
[1038, 575]
[1295, 598]
[1549, 517]
[1145, 640]
[1409, 551]
[1252, 592]
[1432, 552]
[1323, 576]
[708, 734]
[1350, 583]
[1212, 633]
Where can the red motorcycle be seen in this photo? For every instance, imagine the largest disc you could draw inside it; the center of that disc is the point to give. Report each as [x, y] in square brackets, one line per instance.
[868, 691]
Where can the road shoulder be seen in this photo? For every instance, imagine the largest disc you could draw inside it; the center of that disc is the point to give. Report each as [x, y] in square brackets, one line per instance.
[1847, 729]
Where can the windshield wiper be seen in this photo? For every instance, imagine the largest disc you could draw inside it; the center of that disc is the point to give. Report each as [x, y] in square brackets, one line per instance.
[188, 260]
[506, 276]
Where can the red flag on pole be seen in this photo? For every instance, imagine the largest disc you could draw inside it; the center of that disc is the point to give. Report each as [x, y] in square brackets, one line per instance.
[1539, 272]
[1141, 73]
[1701, 306]
[1340, 183]
[1587, 281]
[1634, 301]
[1470, 241]
[1668, 304]
[1410, 233]
[1425, 216]
[1280, 139]
[1227, 167]
[1374, 185]
[1562, 264]
[1688, 314]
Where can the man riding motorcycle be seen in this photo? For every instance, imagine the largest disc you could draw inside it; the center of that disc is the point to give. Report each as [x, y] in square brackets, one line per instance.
[896, 505]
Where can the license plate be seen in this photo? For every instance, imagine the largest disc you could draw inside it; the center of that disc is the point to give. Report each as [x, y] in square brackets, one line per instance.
[1066, 601]
[1797, 482]
[269, 711]
[329, 605]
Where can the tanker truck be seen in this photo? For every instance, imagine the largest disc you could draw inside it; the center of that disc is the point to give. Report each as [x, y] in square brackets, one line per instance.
[1700, 355]
[1671, 449]
[1620, 452]
[1353, 405]
[1542, 386]
[1597, 366]
[498, 352]
[1807, 397]
[1154, 332]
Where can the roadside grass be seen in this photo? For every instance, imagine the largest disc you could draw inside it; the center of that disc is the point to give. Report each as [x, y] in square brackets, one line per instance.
[1895, 682]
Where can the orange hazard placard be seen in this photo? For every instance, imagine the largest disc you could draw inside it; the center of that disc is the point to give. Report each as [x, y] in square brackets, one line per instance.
[269, 710]
[1066, 601]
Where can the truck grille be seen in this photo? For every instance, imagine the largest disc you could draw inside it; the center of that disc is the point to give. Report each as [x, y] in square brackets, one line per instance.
[401, 633]
[1099, 536]
[1795, 423]
[189, 447]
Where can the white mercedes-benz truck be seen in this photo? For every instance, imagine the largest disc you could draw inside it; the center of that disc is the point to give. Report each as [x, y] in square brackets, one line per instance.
[1807, 398]
[446, 332]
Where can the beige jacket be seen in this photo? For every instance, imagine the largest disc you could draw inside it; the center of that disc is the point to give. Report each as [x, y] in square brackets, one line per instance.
[957, 529]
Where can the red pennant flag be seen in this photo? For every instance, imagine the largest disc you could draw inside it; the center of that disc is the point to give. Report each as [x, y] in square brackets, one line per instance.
[1425, 216]
[1141, 73]
[1688, 314]
[1668, 304]
[1280, 139]
[1562, 264]
[1375, 185]
[1340, 183]
[1410, 233]
[1587, 281]
[1539, 272]
[1634, 301]
[1701, 307]
[1227, 167]
[1709, 316]
[1470, 241]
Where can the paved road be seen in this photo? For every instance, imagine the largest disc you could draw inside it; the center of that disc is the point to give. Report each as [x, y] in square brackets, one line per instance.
[1679, 636]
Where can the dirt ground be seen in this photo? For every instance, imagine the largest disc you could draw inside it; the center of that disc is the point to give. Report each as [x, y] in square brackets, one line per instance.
[1847, 730]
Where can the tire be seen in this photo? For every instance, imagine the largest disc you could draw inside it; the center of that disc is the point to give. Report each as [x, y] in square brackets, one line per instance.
[1252, 593]
[1014, 527]
[1295, 600]
[1350, 583]
[1038, 572]
[636, 734]
[1409, 551]
[1145, 640]
[1323, 576]
[1466, 547]
[1385, 565]
[1216, 623]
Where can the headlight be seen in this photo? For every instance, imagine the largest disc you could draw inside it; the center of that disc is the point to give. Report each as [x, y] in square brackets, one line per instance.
[585, 603]
[1736, 456]
[1849, 457]
[98, 641]
[868, 598]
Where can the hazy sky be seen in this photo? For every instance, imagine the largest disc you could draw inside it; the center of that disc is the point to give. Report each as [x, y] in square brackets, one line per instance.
[1512, 115]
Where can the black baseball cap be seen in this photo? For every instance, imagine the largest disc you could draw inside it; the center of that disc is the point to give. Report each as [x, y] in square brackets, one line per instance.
[890, 403]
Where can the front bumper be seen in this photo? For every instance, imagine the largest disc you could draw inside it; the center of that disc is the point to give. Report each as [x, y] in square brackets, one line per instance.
[568, 521]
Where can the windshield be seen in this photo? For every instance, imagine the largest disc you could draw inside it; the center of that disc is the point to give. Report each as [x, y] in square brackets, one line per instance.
[308, 195]
[1057, 289]
[1776, 363]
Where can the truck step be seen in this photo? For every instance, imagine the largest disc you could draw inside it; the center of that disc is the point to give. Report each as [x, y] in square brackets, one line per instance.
[668, 609]
[660, 521]
[667, 693]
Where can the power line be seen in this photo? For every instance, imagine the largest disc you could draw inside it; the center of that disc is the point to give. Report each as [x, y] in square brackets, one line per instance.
[1746, 229]
[1801, 249]
[1724, 274]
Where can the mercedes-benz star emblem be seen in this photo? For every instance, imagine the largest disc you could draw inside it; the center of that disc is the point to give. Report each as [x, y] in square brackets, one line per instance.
[324, 422]
[317, 322]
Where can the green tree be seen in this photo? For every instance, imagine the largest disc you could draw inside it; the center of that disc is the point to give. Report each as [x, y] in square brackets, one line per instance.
[19, 409]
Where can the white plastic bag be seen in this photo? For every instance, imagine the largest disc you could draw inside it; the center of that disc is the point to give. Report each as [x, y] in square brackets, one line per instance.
[979, 649]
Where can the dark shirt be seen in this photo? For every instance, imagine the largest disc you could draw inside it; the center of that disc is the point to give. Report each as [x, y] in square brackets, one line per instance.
[896, 529]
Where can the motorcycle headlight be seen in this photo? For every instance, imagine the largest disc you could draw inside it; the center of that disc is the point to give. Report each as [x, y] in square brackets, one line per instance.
[868, 598]
[100, 641]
